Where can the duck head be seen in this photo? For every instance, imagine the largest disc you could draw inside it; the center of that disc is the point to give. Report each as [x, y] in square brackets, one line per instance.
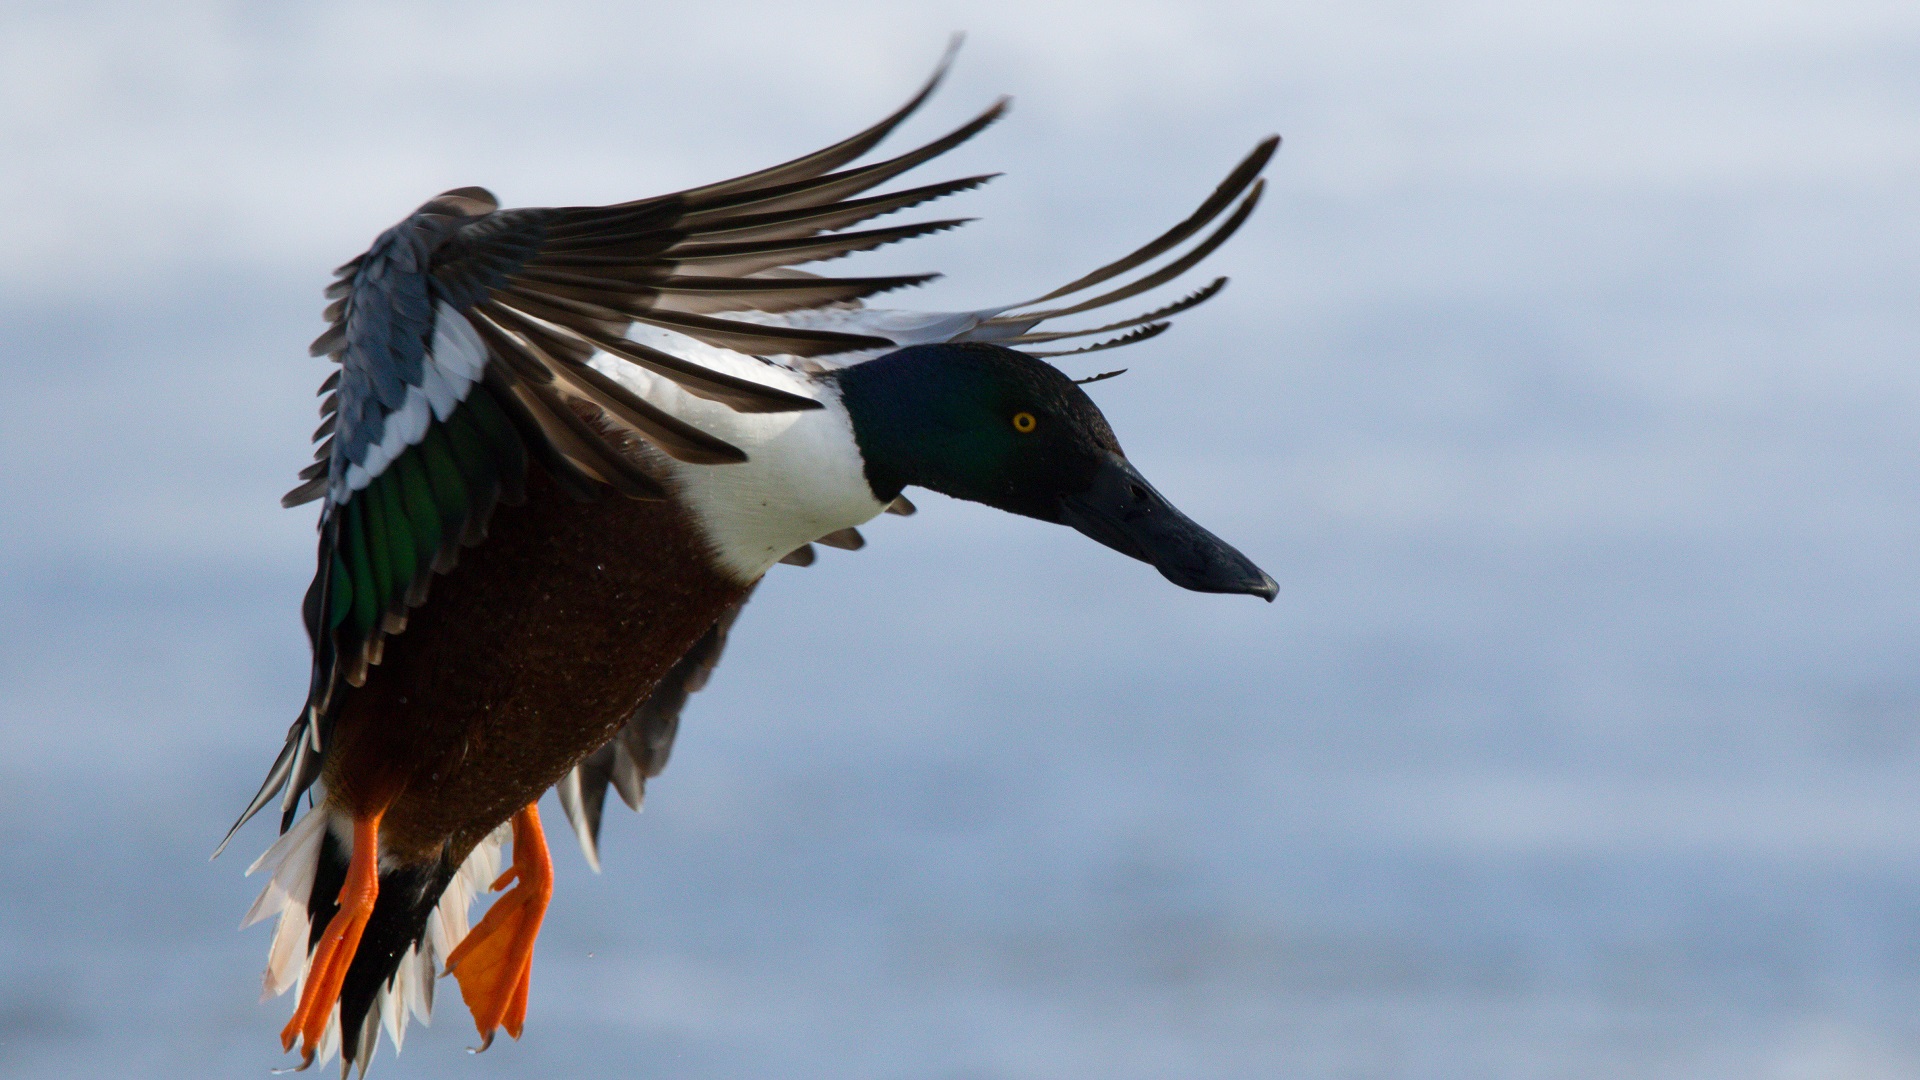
[993, 425]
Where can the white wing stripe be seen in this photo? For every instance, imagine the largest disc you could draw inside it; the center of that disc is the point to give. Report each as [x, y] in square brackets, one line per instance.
[443, 391]
[406, 426]
[455, 362]
[377, 459]
[457, 347]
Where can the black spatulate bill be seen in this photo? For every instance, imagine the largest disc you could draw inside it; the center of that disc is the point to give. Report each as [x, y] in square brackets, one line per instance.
[1124, 512]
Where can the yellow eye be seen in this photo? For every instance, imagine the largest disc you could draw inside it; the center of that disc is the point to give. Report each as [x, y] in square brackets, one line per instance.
[1024, 422]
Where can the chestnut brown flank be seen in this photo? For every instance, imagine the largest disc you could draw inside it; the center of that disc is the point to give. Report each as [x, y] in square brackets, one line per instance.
[529, 655]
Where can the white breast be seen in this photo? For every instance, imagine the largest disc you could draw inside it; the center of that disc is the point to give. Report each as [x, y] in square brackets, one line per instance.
[803, 477]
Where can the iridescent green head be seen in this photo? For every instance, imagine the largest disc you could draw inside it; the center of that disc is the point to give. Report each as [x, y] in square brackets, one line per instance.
[996, 426]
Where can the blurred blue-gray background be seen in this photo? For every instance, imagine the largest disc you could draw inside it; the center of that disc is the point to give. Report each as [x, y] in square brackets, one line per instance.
[1569, 384]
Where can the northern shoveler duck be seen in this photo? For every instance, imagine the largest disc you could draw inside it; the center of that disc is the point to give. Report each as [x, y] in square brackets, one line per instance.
[550, 478]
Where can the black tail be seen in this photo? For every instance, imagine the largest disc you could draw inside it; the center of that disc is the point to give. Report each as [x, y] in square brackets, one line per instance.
[408, 895]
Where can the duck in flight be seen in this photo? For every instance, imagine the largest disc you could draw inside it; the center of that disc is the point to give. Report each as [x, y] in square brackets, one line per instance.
[560, 449]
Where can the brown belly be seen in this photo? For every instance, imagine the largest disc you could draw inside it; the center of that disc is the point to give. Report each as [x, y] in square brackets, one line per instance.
[528, 656]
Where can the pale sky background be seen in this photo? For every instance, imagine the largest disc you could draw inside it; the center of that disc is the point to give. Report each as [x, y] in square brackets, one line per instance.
[1569, 385]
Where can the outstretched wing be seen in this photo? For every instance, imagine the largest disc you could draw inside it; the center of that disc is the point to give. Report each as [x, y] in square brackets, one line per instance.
[463, 337]
[640, 751]
[1020, 325]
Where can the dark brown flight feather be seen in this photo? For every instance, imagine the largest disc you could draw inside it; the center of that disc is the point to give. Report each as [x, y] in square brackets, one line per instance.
[1228, 190]
[1144, 333]
[1185, 303]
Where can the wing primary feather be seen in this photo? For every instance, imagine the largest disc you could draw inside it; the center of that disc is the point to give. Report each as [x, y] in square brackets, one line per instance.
[1170, 271]
[1223, 195]
[755, 339]
[809, 220]
[835, 187]
[569, 297]
[596, 225]
[832, 157]
[701, 295]
[1185, 303]
[747, 258]
[550, 344]
[649, 217]
[711, 295]
[1151, 330]
[615, 277]
[631, 245]
[564, 310]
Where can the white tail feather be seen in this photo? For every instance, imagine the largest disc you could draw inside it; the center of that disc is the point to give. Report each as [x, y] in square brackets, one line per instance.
[388, 1012]
[293, 861]
[369, 1041]
[448, 924]
[303, 838]
[420, 987]
[403, 996]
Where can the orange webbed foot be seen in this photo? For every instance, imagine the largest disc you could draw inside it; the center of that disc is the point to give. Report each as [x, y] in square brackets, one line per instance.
[494, 963]
[327, 969]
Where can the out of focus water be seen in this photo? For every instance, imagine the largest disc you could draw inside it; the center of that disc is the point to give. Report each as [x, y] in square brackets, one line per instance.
[1568, 385]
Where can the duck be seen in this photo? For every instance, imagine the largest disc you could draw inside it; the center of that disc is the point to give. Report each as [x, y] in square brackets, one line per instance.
[560, 448]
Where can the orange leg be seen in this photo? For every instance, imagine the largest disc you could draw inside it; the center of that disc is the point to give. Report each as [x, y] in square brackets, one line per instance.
[331, 958]
[494, 963]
